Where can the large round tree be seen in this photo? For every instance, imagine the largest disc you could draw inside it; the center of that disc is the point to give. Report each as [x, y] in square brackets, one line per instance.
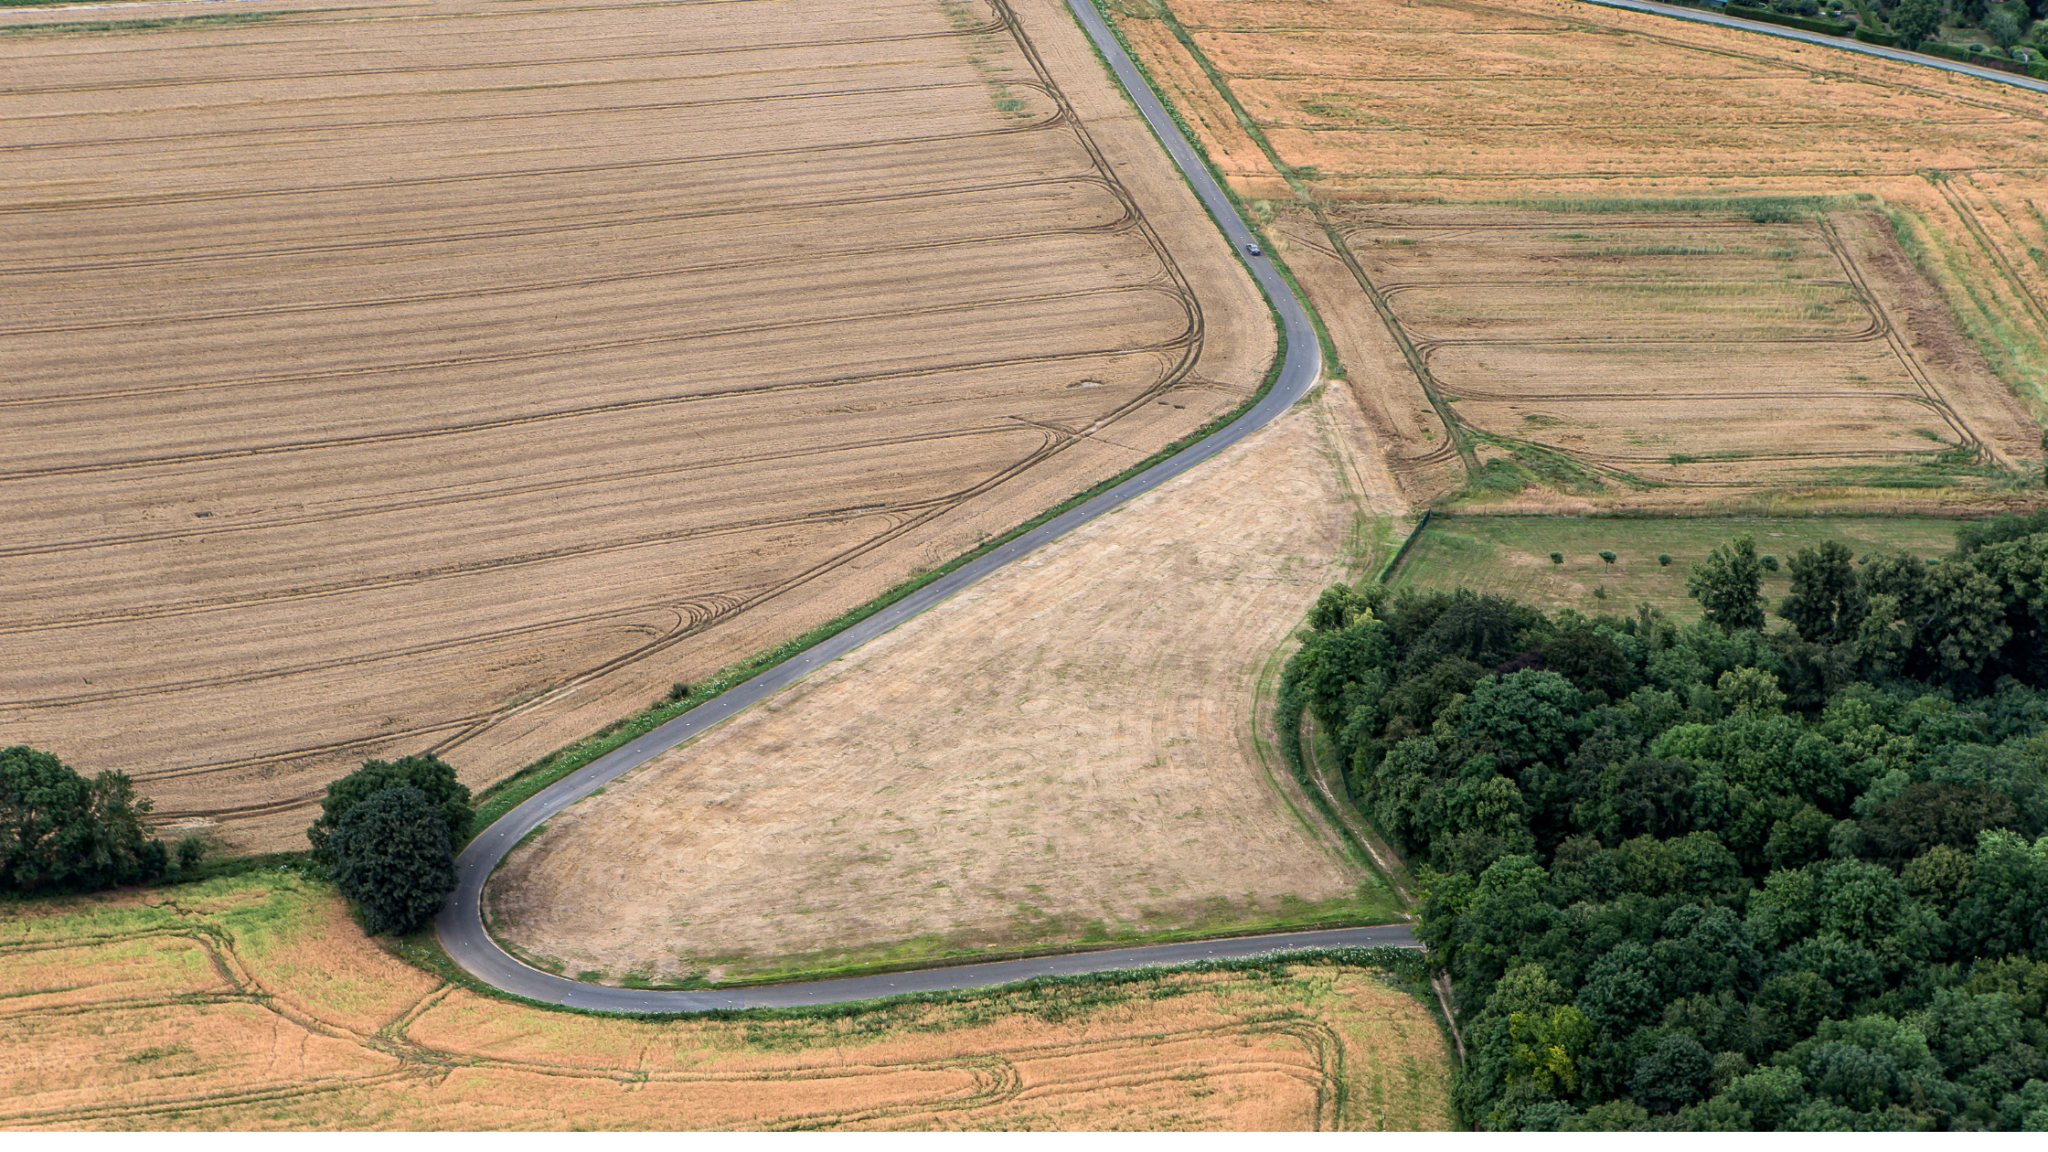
[430, 774]
[391, 855]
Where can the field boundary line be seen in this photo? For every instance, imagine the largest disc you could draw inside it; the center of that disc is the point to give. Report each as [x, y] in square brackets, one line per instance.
[1401, 553]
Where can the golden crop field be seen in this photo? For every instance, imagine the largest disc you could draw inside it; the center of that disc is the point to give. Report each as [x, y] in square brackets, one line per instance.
[1638, 260]
[457, 376]
[254, 1003]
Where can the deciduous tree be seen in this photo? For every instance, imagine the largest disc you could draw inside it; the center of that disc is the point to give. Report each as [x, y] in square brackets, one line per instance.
[1727, 585]
[1915, 20]
[429, 774]
[62, 832]
[1824, 605]
[391, 855]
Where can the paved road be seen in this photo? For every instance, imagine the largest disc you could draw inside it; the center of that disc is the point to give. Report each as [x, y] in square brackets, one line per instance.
[1843, 42]
[460, 924]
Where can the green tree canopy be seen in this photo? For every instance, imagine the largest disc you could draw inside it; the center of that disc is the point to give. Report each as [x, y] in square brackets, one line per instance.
[1727, 585]
[429, 774]
[62, 832]
[1915, 20]
[1677, 1072]
[392, 856]
[1825, 604]
[1703, 878]
[2005, 27]
[1527, 715]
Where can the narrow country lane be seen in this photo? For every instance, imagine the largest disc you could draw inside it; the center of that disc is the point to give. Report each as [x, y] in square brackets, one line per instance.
[460, 924]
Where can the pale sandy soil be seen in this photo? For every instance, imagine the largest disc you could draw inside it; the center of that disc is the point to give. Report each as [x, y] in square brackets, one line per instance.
[1374, 107]
[459, 376]
[1063, 751]
[255, 1004]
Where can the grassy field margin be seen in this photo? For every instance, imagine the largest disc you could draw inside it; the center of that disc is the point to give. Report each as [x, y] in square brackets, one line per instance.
[1408, 966]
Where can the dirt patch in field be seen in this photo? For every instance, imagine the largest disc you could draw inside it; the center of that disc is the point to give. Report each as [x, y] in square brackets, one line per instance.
[1712, 364]
[459, 377]
[188, 1009]
[1068, 751]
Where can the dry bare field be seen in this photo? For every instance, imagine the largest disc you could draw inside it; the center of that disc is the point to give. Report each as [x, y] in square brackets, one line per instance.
[458, 375]
[254, 1003]
[1069, 751]
[1656, 358]
[1723, 269]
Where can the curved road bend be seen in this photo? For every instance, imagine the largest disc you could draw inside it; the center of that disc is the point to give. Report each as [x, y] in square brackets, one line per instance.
[460, 924]
[1846, 43]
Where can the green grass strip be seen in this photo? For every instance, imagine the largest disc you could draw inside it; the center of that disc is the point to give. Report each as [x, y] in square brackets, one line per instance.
[1408, 966]
[87, 27]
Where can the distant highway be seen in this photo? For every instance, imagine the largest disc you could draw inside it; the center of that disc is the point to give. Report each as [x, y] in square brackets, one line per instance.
[460, 924]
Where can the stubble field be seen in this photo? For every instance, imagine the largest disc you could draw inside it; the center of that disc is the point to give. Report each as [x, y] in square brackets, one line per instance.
[255, 1003]
[1625, 259]
[1075, 750]
[457, 377]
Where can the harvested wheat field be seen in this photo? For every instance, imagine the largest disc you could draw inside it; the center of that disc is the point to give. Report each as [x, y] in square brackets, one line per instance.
[1602, 355]
[457, 376]
[255, 1003]
[1069, 751]
[1635, 260]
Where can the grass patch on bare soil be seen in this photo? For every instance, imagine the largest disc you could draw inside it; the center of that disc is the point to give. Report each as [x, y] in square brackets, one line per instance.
[1510, 555]
[169, 1011]
[1759, 209]
[116, 27]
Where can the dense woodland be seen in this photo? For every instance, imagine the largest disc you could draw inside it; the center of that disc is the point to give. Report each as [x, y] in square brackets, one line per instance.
[1728, 875]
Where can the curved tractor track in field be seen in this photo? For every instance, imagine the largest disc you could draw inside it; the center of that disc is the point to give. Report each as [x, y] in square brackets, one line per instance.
[460, 924]
[1165, 358]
